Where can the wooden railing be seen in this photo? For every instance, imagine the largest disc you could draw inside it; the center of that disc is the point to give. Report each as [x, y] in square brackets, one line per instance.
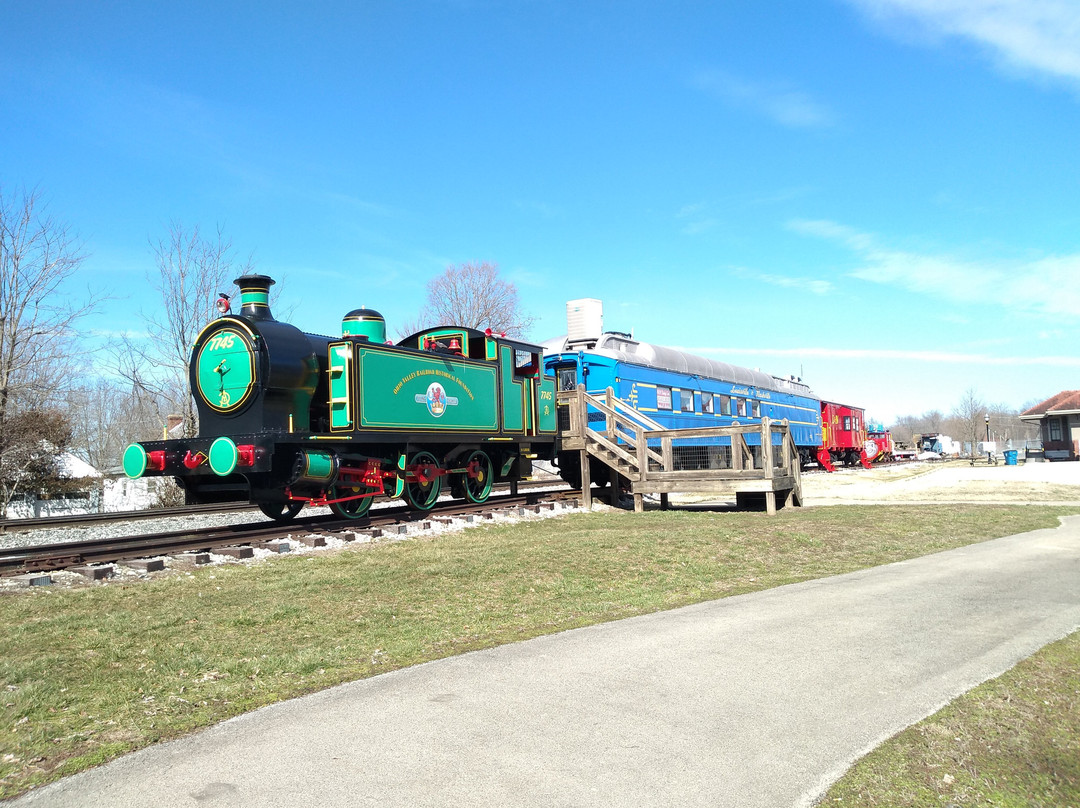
[642, 451]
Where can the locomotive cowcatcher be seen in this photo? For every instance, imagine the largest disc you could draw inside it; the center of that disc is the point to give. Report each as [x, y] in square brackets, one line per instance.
[288, 418]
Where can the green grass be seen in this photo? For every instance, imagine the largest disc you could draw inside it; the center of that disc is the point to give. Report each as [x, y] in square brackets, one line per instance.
[90, 673]
[1013, 742]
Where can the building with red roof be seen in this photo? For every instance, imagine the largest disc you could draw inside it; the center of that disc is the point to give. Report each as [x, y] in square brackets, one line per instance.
[1059, 424]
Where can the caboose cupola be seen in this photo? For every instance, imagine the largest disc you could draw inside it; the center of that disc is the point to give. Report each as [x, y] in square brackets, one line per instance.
[255, 296]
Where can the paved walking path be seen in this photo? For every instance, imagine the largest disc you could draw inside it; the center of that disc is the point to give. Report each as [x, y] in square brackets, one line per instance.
[757, 700]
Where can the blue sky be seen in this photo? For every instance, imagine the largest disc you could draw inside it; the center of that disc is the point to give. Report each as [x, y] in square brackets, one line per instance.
[881, 195]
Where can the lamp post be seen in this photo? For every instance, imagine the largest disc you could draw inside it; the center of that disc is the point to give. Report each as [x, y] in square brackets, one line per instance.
[989, 454]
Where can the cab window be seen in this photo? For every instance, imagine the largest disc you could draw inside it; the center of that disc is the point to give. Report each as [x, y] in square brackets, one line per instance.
[526, 363]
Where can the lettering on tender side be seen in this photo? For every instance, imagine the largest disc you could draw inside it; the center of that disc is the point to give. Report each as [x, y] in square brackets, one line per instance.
[434, 372]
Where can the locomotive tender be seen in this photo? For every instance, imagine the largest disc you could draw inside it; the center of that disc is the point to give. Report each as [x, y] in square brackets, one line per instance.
[288, 418]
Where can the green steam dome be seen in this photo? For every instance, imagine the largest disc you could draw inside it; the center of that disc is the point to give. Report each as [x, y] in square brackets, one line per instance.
[364, 323]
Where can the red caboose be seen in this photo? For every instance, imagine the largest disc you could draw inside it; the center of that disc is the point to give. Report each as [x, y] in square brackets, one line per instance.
[879, 444]
[843, 435]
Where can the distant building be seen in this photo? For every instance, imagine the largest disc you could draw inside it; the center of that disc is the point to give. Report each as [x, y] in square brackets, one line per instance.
[1059, 424]
[104, 493]
[30, 506]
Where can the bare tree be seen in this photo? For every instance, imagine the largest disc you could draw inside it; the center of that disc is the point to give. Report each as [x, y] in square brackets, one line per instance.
[473, 295]
[38, 335]
[1006, 426]
[970, 418]
[968, 422]
[106, 415]
[932, 421]
[30, 463]
[191, 271]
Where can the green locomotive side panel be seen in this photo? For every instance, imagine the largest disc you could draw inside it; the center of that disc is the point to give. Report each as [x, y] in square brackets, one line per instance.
[425, 392]
[546, 404]
[340, 357]
[513, 393]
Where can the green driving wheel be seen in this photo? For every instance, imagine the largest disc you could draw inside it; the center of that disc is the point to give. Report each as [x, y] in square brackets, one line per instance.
[424, 491]
[350, 508]
[478, 488]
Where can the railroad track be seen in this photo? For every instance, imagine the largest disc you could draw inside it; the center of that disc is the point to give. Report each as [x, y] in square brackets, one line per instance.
[83, 519]
[65, 555]
[86, 519]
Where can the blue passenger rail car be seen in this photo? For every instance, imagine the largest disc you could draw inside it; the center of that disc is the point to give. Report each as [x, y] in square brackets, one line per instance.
[679, 391]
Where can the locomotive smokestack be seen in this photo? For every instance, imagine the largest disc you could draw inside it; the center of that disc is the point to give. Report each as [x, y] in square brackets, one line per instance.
[255, 296]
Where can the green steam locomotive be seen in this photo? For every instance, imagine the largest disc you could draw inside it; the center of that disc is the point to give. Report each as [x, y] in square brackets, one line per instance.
[288, 419]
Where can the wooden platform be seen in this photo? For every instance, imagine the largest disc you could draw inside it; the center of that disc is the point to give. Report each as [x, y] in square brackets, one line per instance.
[639, 450]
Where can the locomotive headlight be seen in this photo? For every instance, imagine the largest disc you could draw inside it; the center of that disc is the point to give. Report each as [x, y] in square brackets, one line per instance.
[225, 367]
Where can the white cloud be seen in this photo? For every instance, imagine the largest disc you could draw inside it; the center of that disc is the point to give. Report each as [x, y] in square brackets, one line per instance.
[544, 210]
[779, 101]
[880, 355]
[698, 217]
[812, 285]
[1045, 286]
[1033, 35]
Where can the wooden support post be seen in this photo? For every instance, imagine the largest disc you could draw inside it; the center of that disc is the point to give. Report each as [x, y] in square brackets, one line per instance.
[664, 502]
[609, 399]
[785, 443]
[770, 503]
[582, 426]
[767, 447]
[642, 453]
[639, 503]
[586, 481]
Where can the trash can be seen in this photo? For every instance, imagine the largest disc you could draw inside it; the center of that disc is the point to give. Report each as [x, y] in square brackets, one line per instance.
[1010, 457]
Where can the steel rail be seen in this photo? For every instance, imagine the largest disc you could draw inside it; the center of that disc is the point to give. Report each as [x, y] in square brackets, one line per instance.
[62, 555]
[80, 519]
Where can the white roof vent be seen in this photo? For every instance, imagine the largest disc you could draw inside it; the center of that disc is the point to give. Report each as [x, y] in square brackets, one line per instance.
[584, 320]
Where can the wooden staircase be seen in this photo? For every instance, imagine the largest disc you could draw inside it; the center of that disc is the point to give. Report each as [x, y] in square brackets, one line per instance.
[638, 450]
